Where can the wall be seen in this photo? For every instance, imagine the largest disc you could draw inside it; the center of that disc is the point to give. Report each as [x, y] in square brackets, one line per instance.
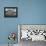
[7, 25]
[29, 12]
[33, 11]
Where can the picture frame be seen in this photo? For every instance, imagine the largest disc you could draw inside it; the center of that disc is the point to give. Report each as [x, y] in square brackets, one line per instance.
[37, 29]
[10, 11]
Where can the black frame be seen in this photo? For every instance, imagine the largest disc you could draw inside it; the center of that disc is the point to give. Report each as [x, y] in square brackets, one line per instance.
[11, 8]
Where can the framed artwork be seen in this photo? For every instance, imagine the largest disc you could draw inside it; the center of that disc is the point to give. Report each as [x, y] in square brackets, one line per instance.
[33, 32]
[10, 11]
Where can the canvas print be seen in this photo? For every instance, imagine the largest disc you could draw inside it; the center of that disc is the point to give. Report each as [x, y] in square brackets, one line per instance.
[33, 32]
[28, 34]
[10, 11]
